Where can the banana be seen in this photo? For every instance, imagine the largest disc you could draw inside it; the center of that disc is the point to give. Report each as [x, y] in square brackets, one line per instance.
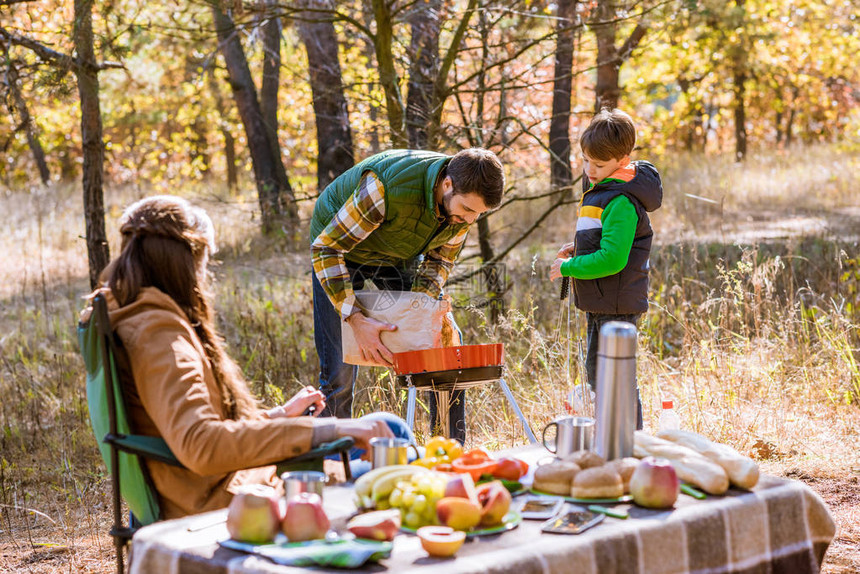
[364, 483]
[383, 486]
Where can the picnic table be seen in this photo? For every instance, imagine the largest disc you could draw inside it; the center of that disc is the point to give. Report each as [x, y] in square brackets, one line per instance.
[781, 526]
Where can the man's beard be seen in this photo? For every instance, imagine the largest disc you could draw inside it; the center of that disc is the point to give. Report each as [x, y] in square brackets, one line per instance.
[443, 211]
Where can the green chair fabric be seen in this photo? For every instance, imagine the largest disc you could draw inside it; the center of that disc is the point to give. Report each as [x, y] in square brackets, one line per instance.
[102, 383]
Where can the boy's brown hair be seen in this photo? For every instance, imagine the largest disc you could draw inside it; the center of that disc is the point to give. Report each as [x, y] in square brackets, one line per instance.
[610, 135]
[478, 170]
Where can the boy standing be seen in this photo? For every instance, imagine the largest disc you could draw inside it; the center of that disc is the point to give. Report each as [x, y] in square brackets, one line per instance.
[608, 259]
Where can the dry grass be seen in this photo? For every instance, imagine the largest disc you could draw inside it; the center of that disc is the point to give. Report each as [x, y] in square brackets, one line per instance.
[753, 330]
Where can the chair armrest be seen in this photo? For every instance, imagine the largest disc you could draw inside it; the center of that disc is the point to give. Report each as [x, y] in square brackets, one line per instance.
[152, 447]
[325, 449]
[155, 448]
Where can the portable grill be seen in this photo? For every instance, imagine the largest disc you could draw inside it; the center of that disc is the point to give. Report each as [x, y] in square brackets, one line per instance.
[447, 369]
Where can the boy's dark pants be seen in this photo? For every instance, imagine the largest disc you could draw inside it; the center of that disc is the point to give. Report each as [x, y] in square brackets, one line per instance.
[594, 321]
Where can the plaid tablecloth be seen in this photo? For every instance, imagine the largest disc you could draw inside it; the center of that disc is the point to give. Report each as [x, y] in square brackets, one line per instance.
[780, 527]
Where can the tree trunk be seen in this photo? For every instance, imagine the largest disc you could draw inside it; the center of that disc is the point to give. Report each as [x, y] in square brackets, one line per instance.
[224, 126]
[778, 127]
[276, 212]
[425, 21]
[98, 252]
[334, 135]
[270, 85]
[606, 89]
[561, 173]
[739, 73]
[23, 112]
[388, 73]
[740, 77]
[441, 90]
[494, 275]
[609, 56]
[369, 51]
[789, 125]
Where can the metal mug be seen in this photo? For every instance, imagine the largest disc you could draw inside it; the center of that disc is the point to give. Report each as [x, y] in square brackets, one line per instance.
[572, 434]
[389, 451]
[298, 481]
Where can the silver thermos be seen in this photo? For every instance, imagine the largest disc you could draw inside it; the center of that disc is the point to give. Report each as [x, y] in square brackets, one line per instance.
[616, 390]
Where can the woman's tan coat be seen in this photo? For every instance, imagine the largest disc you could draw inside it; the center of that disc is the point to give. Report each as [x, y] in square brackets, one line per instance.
[174, 395]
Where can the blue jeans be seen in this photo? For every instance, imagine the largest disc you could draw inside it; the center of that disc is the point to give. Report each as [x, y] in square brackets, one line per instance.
[336, 378]
[397, 426]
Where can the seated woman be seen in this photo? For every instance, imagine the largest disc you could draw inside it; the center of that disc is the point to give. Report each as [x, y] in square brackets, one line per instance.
[179, 382]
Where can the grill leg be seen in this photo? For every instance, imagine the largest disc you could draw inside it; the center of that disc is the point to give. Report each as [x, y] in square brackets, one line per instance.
[443, 420]
[410, 407]
[526, 428]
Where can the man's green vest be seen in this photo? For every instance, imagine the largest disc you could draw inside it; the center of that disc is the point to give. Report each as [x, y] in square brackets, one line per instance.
[410, 227]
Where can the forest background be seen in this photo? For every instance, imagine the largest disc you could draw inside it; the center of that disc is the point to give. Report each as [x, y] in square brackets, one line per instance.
[749, 108]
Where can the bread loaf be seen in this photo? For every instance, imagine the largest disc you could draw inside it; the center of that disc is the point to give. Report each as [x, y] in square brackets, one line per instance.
[690, 466]
[555, 478]
[585, 459]
[597, 482]
[742, 471]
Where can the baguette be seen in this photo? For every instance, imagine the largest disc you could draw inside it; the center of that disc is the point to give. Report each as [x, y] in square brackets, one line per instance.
[690, 466]
[742, 471]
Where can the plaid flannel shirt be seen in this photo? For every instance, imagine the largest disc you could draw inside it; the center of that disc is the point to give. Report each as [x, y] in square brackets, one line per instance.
[354, 222]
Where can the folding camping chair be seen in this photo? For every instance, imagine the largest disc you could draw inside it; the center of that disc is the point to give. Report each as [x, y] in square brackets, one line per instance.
[120, 449]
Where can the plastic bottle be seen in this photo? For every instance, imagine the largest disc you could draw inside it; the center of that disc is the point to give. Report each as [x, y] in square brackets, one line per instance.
[576, 403]
[668, 417]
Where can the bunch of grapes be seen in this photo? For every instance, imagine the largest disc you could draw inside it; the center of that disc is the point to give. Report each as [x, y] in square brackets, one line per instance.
[416, 498]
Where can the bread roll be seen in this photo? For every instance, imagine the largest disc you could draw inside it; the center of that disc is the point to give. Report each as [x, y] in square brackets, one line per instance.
[742, 471]
[597, 482]
[690, 466]
[555, 478]
[624, 467]
[585, 459]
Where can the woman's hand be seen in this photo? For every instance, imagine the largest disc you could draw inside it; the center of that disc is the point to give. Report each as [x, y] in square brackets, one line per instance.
[362, 431]
[307, 397]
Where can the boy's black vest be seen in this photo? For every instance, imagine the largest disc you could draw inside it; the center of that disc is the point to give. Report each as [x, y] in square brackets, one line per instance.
[626, 292]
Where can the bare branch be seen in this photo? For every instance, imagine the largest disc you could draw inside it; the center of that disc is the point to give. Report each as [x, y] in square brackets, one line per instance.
[451, 54]
[50, 56]
[43, 52]
[537, 223]
[632, 41]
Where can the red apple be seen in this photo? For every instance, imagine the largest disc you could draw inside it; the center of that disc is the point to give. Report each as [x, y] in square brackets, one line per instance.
[376, 525]
[254, 514]
[495, 502]
[305, 518]
[462, 486]
[458, 513]
[441, 541]
[654, 483]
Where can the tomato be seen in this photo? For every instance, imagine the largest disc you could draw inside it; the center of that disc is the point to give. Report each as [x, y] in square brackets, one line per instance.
[475, 455]
[444, 467]
[510, 468]
[474, 468]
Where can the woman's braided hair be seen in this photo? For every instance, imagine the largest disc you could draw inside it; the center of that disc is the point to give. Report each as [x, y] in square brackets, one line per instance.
[165, 244]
